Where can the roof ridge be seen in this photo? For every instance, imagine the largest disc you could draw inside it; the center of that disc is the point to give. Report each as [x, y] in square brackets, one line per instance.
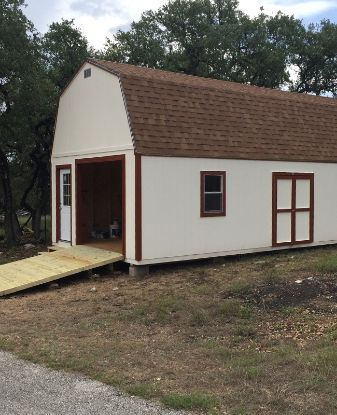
[211, 83]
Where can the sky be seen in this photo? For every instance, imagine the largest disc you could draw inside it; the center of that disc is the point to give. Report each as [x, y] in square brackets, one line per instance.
[99, 19]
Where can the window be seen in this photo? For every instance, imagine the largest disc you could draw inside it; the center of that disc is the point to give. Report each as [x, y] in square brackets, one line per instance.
[66, 190]
[213, 193]
[87, 73]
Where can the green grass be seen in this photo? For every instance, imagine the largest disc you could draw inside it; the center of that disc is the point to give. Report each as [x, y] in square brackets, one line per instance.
[233, 308]
[158, 311]
[327, 265]
[199, 318]
[143, 390]
[195, 400]
[165, 306]
[239, 287]
[244, 330]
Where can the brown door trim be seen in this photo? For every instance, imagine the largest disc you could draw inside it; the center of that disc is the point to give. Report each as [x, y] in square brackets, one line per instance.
[58, 201]
[95, 160]
[294, 177]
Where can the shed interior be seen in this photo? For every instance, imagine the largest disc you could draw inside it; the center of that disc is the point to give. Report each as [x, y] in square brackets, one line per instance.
[100, 205]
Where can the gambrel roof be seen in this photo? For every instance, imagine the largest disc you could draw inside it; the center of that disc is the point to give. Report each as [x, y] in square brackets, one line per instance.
[173, 114]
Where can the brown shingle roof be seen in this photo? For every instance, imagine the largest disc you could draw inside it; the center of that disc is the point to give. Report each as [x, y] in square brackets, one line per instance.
[180, 115]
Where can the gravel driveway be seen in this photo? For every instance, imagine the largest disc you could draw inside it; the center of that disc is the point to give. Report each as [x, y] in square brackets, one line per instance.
[29, 389]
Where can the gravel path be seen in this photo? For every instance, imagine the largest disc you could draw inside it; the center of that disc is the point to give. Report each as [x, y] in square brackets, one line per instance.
[29, 389]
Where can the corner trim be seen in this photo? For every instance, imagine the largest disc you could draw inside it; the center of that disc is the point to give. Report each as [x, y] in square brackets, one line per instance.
[138, 207]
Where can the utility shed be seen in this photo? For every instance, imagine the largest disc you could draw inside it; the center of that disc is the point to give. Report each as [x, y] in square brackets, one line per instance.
[161, 166]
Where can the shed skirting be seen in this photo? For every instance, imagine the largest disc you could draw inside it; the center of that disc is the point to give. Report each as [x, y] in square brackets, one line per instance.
[225, 253]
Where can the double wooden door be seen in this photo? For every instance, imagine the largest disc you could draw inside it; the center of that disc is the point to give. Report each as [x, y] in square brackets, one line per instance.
[293, 208]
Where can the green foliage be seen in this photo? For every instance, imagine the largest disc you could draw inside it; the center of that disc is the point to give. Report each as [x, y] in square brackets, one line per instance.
[33, 70]
[209, 38]
[315, 58]
[213, 38]
[65, 49]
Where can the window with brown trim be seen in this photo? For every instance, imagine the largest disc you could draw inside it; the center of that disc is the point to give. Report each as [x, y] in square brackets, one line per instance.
[66, 189]
[212, 193]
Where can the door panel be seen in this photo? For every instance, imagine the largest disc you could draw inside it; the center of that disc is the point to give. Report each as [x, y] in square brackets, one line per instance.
[302, 231]
[302, 193]
[65, 205]
[284, 189]
[293, 208]
[284, 227]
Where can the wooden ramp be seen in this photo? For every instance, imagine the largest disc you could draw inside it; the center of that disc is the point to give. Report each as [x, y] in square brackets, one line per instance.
[50, 266]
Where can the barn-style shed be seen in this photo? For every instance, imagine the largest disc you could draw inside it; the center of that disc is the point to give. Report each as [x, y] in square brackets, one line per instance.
[163, 167]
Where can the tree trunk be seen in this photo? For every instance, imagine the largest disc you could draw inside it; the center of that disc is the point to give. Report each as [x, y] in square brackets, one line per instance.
[36, 222]
[12, 227]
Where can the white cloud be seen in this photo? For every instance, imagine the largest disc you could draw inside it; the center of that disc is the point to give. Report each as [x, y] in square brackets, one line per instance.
[300, 9]
[96, 17]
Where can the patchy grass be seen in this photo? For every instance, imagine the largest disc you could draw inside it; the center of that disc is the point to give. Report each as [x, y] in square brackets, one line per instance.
[245, 335]
[143, 390]
[327, 265]
[233, 308]
[190, 401]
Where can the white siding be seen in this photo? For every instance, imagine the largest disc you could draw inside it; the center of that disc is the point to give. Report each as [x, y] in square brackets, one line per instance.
[172, 227]
[91, 116]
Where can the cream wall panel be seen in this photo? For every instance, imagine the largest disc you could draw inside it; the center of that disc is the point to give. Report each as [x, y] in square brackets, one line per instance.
[172, 226]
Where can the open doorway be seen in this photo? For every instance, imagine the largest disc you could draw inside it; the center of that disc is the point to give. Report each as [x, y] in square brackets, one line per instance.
[100, 203]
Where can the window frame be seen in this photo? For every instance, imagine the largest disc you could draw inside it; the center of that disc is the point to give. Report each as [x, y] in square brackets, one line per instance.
[87, 73]
[66, 186]
[203, 212]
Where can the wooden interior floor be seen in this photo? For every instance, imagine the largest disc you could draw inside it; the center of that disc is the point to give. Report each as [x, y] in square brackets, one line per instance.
[50, 266]
[115, 245]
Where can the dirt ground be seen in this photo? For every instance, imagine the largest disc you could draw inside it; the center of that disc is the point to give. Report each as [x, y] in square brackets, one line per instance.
[243, 335]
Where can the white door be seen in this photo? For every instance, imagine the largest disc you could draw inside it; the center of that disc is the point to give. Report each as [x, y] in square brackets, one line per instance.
[65, 205]
[293, 204]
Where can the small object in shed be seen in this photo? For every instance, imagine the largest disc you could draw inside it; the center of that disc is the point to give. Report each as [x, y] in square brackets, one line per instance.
[114, 228]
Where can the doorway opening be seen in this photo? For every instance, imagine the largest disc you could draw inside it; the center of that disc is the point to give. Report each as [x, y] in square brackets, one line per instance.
[100, 203]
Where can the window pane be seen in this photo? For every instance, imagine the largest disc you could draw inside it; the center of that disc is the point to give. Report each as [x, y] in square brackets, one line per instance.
[213, 183]
[213, 202]
[67, 192]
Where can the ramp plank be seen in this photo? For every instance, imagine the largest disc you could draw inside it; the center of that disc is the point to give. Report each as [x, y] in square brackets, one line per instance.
[26, 273]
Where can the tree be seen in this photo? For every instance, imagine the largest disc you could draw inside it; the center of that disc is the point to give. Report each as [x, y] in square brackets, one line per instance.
[18, 79]
[33, 71]
[63, 49]
[211, 38]
[315, 59]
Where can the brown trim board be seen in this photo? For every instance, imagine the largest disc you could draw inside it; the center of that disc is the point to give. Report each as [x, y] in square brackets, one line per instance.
[202, 193]
[294, 177]
[138, 207]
